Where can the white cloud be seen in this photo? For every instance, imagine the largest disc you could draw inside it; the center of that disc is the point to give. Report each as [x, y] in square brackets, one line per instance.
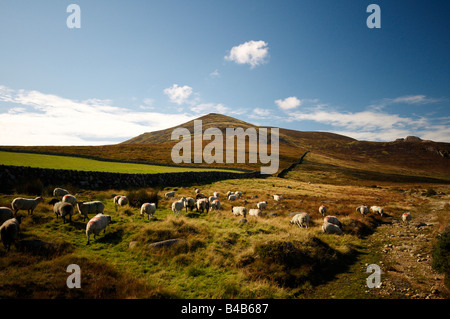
[215, 74]
[288, 103]
[178, 94]
[251, 52]
[209, 108]
[47, 119]
[413, 99]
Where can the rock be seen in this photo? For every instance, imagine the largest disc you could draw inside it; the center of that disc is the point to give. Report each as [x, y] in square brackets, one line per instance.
[167, 243]
[132, 244]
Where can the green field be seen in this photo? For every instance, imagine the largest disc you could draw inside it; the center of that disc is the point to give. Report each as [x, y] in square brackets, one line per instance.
[84, 164]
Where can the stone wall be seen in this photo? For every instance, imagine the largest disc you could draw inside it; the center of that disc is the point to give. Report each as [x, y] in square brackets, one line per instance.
[10, 176]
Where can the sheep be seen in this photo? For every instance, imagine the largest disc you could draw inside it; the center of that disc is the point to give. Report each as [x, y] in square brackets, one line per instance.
[169, 194]
[300, 219]
[330, 228]
[197, 190]
[178, 205]
[9, 232]
[278, 198]
[189, 203]
[212, 198]
[5, 214]
[238, 194]
[62, 209]
[229, 193]
[216, 194]
[25, 204]
[85, 208]
[261, 205]
[215, 205]
[232, 197]
[255, 212]
[406, 217]
[70, 199]
[364, 210]
[149, 209]
[122, 201]
[202, 205]
[332, 220]
[200, 195]
[239, 211]
[58, 192]
[323, 210]
[377, 209]
[116, 199]
[97, 224]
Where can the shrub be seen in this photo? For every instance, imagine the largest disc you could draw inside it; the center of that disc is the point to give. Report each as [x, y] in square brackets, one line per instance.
[141, 196]
[441, 256]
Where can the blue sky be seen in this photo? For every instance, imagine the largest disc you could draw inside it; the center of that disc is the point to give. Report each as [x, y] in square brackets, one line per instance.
[140, 66]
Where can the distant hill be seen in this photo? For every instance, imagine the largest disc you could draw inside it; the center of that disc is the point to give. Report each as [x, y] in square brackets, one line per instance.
[329, 152]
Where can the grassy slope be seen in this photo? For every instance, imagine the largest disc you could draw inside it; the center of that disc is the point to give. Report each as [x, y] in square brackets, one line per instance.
[84, 164]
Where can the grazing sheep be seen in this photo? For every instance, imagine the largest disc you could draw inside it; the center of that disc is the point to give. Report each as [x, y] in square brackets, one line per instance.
[215, 205]
[278, 198]
[85, 208]
[330, 228]
[189, 203]
[169, 194]
[97, 224]
[197, 190]
[261, 205]
[238, 194]
[212, 198]
[178, 205]
[123, 200]
[300, 219]
[216, 194]
[332, 220]
[200, 195]
[116, 199]
[255, 212]
[25, 204]
[58, 192]
[229, 193]
[364, 210]
[5, 214]
[202, 205]
[149, 209]
[237, 211]
[323, 210]
[70, 199]
[406, 217]
[9, 232]
[232, 197]
[377, 209]
[62, 209]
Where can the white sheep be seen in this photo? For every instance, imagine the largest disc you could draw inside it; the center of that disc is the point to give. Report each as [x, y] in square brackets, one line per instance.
[85, 208]
[330, 228]
[255, 212]
[169, 194]
[58, 192]
[232, 197]
[149, 209]
[300, 219]
[238, 194]
[212, 198]
[261, 205]
[377, 209]
[189, 203]
[178, 205]
[216, 194]
[323, 210]
[197, 190]
[63, 209]
[9, 232]
[237, 211]
[215, 205]
[122, 201]
[278, 198]
[406, 217]
[229, 193]
[70, 199]
[363, 210]
[5, 214]
[116, 199]
[96, 224]
[332, 220]
[202, 205]
[20, 203]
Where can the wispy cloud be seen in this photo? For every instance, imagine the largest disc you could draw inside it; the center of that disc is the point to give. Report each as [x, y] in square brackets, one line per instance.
[36, 118]
[252, 52]
[288, 103]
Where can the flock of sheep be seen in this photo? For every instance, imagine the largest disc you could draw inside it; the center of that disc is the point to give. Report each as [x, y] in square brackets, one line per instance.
[10, 221]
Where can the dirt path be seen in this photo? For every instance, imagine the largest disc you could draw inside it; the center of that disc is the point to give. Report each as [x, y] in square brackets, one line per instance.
[406, 256]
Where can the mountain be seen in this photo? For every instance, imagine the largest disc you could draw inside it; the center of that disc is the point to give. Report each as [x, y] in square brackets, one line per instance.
[331, 156]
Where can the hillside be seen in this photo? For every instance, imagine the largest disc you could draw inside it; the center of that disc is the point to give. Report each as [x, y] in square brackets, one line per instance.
[419, 160]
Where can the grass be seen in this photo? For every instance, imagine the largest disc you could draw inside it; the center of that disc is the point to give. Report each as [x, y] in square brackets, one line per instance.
[84, 164]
